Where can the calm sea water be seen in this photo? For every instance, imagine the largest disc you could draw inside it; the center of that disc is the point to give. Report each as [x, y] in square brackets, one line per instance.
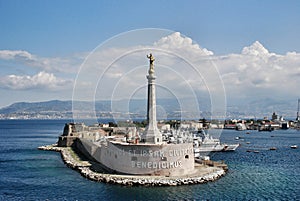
[27, 173]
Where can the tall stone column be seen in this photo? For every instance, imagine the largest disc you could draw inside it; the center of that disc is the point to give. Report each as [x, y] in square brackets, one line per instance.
[151, 134]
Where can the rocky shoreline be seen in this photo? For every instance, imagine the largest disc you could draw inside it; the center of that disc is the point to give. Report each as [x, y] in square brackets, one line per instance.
[204, 173]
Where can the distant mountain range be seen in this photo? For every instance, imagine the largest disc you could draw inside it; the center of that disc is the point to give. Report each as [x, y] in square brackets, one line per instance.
[167, 108]
[64, 109]
[35, 107]
[265, 107]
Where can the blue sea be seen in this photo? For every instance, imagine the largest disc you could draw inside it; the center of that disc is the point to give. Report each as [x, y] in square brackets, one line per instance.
[27, 173]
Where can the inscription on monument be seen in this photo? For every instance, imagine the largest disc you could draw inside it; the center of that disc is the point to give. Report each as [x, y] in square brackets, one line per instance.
[156, 165]
[139, 157]
[156, 154]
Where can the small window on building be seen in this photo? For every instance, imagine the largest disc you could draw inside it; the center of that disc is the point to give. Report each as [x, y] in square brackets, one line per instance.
[116, 156]
[186, 156]
[157, 139]
[133, 158]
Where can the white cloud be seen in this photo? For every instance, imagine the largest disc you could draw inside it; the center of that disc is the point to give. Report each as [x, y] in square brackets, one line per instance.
[16, 54]
[256, 49]
[254, 71]
[42, 80]
[51, 64]
[176, 41]
[257, 71]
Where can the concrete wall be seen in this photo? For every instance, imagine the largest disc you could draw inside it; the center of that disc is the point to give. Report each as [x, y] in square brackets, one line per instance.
[66, 141]
[144, 159]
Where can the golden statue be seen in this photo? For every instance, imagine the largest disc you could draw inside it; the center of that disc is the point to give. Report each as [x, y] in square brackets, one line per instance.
[151, 60]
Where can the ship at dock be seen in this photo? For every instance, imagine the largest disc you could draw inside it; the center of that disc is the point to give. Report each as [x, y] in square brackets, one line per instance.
[203, 142]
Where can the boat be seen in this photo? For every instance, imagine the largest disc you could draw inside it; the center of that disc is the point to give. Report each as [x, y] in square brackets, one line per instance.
[268, 128]
[273, 148]
[294, 146]
[205, 158]
[241, 127]
[231, 147]
[205, 143]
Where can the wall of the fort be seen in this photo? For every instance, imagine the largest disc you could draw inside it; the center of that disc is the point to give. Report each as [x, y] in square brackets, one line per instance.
[166, 159]
[66, 141]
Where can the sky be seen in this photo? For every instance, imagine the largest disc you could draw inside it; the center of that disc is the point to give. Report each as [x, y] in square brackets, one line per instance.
[46, 46]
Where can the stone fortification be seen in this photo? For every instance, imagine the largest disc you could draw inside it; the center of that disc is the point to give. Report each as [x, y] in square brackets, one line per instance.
[202, 174]
[142, 159]
[146, 155]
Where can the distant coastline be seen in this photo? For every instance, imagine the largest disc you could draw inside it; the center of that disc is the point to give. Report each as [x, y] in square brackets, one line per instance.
[57, 109]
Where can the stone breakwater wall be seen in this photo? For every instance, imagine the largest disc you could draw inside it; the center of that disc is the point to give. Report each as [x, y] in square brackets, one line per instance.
[208, 174]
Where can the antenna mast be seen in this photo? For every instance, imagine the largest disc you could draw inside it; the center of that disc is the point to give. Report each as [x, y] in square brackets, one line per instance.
[298, 115]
